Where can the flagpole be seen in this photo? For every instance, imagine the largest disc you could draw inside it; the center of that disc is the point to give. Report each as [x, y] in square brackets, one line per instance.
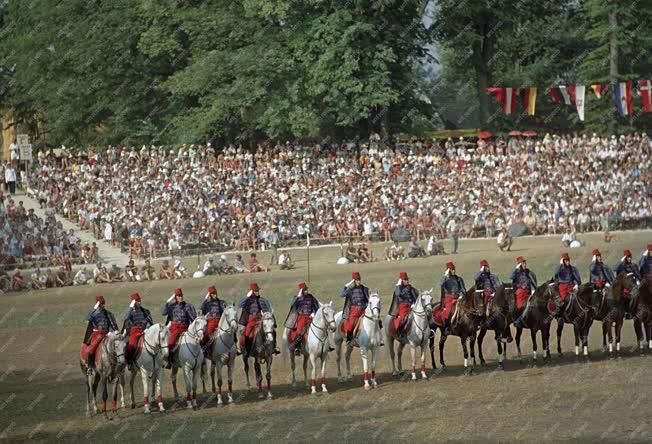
[308, 252]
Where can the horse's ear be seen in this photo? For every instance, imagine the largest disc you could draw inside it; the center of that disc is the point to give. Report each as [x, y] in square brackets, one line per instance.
[320, 304]
[330, 303]
[431, 290]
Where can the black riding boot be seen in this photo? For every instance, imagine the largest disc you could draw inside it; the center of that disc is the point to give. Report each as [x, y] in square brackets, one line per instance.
[276, 350]
[89, 364]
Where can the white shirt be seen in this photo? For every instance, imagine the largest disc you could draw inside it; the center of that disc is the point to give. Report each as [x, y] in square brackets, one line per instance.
[10, 175]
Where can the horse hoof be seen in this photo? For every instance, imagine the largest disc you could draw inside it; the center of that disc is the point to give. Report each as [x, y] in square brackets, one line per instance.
[483, 363]
[375, 384]
[501, 367]
[367, 386]
[394, 373]
[441, 370]
[261, 395]
[424, 375]
[269, 395]
[468, 371]
[324, 389]
[414, 376]
[349, 378]
[340, 379]
[294, 384]
[313, 390]
[133, 405]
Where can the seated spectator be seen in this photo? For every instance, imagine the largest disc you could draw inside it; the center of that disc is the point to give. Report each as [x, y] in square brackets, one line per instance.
[17, 281]
[414, 249]
[608, 237]
[100, 274]
[131, 272]
[504, 240]
[116, 274]
[62, 278]
[254, 265]
[166, 272]
[5, 280]
[82, 277]
[395, 253]
[567, 238]
[364, 254]
[351, 253]
[37, 277]
[223, 267]
[147, 272]
[209, 267]
[179, 270]
[285, 261]
[434, 248]
[50, 279]
[238, 264]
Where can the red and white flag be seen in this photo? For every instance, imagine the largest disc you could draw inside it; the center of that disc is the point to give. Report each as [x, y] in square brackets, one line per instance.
[579, 100]
[645, 87]
[506, 96]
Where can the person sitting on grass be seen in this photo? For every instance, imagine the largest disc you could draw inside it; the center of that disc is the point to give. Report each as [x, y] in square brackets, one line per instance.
[414, 249]
[17, 281]
[396, 252]
[116, 275]
[131, 272]
[147, 272]
[351, 253]
[179, 270]
[62, 279]
[504, 240]
[36, 280]
[364, 255]
[238, 264]
[166, 272]
[82, 277]
[100, 274]
[254, 265]
[285, 261]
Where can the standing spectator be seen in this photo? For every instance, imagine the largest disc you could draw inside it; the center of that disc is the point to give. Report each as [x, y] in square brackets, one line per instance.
[10, 178]
[453, 231]
[273, 245]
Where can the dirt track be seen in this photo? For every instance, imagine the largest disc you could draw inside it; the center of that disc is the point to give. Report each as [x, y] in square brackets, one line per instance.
[42, 396]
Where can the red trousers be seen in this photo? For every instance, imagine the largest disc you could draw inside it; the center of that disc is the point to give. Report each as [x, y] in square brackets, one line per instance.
[250, 329]
[354, 314]
[449, 306]
[303, 321]
[403, 311]
[211, 326]
[96, 338]
[599, 284]
[134, 335]
[176, 329]
[486, 295]
[521, 296]
[564, 290]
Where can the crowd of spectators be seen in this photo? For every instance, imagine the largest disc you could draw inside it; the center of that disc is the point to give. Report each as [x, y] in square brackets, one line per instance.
[155, 202]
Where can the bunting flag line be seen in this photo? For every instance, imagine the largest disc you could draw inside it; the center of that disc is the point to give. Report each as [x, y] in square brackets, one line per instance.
[506, 96]
[554, 94]
[599, 89]
[529, 99]
[579, 100]
[645, 88]
[566, 95]
[623, 98]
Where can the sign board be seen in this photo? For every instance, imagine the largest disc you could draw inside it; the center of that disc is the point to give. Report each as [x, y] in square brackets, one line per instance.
[25, 152]
[22, 139]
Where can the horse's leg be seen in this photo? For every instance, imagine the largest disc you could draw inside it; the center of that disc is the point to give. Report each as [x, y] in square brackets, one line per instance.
[213, 370]
[132, 377]
[648, 334]
[338, 358]
[229, 379]
[432, 350]
[606, 331]
[89, 385]
[196, 371]
[188, 383]
[545, 339]
[324, 361]
[390, 346]
[313, 372]
[293, 367]
[501, 359]
[347, 359]
[203, 376]
[365, 368]
[217, 390]
[618, 330]
[639, 335]
[442, 342]
[576, 332]
[173, 378]
[105, 393]
[374, 357]
[246, 370]
[605, 324]
[259, 377]
[399, 356]
[413, 355]
[560, 329]
[483, 332]
[465, 351]
[114, 397]
[517, 339]
[472, 345]
[157, 382]
[145, 381]
[268, 376]
[305, 371]
[95, 384]
[424, 375]
[533, 336]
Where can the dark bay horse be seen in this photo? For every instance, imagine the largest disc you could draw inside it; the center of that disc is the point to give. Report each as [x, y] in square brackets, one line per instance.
[610, 309]
[465, 321]
[642, 314]
[578, 311]
[536, 318]
[498, 317]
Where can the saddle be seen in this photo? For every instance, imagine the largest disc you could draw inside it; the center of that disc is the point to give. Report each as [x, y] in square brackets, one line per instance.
[84, 352]
[134, 354]
[356, 327]
[399, 331]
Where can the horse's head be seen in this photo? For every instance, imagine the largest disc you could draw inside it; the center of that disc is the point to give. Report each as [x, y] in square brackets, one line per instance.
[229, 316]
[374, 306]
[426, 301]
[268, 324]
[474, 300]
[197, 328]
[164, 339]
[117, 345]
[546, 291]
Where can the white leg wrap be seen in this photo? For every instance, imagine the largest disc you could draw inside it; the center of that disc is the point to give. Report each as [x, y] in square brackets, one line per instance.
[501, 358]
[586, 350]
[577, 350]
[534, 355]
[466, 362]
[617, 346]
[611, 347]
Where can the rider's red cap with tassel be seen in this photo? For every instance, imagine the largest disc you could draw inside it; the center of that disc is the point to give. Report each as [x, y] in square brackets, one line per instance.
[520, 259]
[484, 263]
[403, 275]
[596, 252]
[302, 286]
[565, 257]
[253, 286]
[450, 266]
[355, 275]
[135, 297]
[627, 253]
[649, 247]
[99, 299]
[178, 292]
[212, 290]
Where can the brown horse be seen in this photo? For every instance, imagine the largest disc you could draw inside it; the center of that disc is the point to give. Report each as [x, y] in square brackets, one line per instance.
[609, 308]
[498, 317]
[642, 314]
[536, 318]
[578, 311]
[465, 322]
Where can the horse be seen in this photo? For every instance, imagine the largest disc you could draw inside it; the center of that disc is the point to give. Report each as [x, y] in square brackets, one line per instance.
[190, 358]
[498, 318]
[316, 346]
[537, 318]
[222, 352]
[419, 322]
[642, 314]
[110, 363]
[579, 311]
[262, 350]
[150, 363]
[466, 320]
[368, 340]
[611, 311]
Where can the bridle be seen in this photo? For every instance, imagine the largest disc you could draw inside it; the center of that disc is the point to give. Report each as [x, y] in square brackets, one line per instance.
[322, 329]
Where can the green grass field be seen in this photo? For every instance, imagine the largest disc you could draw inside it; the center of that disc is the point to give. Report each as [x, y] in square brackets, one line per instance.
[42, 391]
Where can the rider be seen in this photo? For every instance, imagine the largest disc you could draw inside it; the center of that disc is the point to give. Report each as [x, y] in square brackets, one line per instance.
[645, 265]
[524, 283]
[136, 320]
[100, 322]
[452, 290]
[212, 307]
[486, 281]
[356, 300]
[252, 307]
[404, 296]
[567, 279]
[627, 265]
[180, 314]
[305, 305]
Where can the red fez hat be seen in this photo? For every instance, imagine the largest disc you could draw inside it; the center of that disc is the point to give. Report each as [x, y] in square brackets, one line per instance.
[99, 299]
[178, 292]
[484, 263]
[450, 265]
[253, 286]
[649, 247]
[565, 256]
[135, 297]
[596, 252]
[403, 275]
[302, 286]
[627, 253]
[212, 290]
[355, 275]
[520, 259]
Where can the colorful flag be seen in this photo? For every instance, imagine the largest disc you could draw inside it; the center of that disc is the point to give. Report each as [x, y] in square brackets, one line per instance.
[567, 95]
[645, 87]
[529, 99]
[599, 89]
[554, 94]
[579, 100]
[623, 98]
[506, 96]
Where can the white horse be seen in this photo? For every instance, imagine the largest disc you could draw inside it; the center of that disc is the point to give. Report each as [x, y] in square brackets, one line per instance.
[369, 339]
[150, 364]
[222, 351]
[417, 336]
[189, 358]
[316, 346]
[262, 349]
